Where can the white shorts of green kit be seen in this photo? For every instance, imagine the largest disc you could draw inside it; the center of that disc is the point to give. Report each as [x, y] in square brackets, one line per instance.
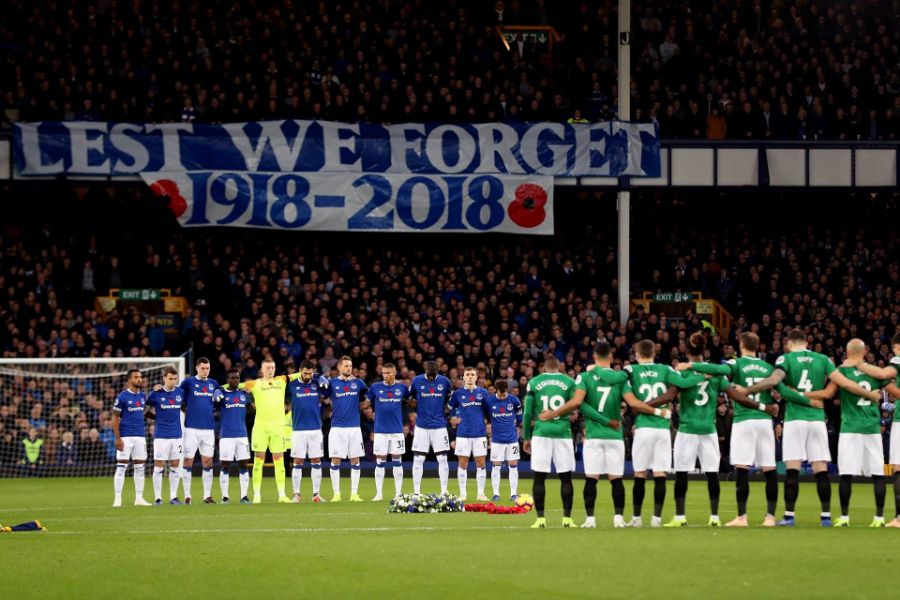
[604, 457]
[651, 450]
[692, 446]
[753, 443]
[806, 440]
[860, 454]
[558, 452]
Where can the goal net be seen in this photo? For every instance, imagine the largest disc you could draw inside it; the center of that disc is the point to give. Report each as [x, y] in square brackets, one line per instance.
[56, 414]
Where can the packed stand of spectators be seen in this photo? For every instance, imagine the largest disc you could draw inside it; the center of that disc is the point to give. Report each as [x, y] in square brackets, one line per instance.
[734, 69]
[500, 304]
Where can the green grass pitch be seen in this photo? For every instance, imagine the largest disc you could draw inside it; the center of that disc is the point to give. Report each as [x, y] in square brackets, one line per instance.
[336, 551]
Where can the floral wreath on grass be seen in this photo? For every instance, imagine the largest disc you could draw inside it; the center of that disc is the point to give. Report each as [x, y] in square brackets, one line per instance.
[426, 503]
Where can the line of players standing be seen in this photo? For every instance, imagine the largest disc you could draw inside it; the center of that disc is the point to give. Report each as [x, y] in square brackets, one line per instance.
[804, 379]
[199, 396]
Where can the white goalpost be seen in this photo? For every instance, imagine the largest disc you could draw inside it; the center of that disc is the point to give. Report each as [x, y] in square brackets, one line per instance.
[56, 414]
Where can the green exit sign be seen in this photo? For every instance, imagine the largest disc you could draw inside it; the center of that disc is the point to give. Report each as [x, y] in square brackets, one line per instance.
[139, 295]
[673, 297]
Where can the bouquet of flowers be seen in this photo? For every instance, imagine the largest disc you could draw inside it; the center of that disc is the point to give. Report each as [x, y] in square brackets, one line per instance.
[426, 503]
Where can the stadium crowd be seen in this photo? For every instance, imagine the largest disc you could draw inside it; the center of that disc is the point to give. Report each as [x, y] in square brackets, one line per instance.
[727, 69]
[735, 69]
[501, 307]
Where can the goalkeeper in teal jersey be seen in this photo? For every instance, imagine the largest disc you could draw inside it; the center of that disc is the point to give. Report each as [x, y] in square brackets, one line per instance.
[549, 442]
[651, 450]
[891, 372]
[805, 436]
[859, 446]
[598, 396]
[752, 432]
[697, 437]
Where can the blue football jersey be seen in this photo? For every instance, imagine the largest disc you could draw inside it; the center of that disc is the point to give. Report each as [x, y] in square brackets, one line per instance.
[387, 401]
[233, 412]
[346, 394]
[472, 408]
[130, 406]
[431, 400]
[198, 395]
[505, 415]
[167, 405]
[306, 402]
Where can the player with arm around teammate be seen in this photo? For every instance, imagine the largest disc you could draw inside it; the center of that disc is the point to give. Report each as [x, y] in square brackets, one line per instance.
[697, 438]
[752, 434]
[805, 434]
[598, 396]
[267, 393]
[892, 372]
[304, 400]
[549, 442]
[651, 449]
[860, 450]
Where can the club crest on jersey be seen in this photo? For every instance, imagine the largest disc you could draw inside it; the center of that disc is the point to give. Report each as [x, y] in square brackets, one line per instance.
[353, 386]
[440, 387]
[509, 407]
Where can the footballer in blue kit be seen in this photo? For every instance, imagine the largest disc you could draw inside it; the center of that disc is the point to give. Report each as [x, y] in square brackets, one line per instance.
[167, 404]
[131, 441]
[506, 417]
[199, 428]
[234, 444]
[345, 437]
[471, 404]
[304, 398]
[388, 398]
[429, 393]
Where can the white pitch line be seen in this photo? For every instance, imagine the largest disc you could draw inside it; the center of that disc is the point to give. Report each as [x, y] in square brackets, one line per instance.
[187, 515]
[277, 530]
[46, 508]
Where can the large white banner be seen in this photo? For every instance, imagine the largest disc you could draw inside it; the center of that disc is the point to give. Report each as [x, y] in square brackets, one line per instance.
[367, 202]
[78, 148]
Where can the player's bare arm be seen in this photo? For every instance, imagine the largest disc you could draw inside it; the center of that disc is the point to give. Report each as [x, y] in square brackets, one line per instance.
[745, 400]
[668, 396]
[893, 390]
[888, 372]
[637, 405]
[825, 394]
[854, 388]
[766, 384]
